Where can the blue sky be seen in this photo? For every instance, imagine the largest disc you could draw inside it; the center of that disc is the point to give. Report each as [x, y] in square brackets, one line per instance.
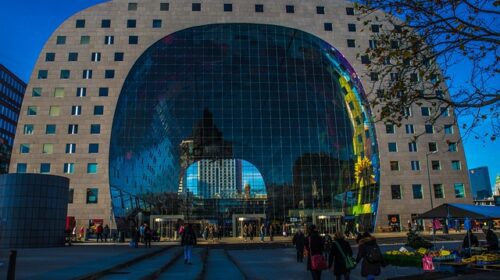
[25, 26]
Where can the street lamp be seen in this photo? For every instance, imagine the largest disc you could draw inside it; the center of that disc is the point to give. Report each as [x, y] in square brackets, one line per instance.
[429, 176]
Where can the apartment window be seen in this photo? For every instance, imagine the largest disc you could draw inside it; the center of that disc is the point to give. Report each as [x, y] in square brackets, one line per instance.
[351, 43]
[394, 166]
[429, 129]
[21, 168]
[81, 92]
[71, 194]
[445, 112]
[84, 40]
[164, 6]
[459, 190]
[425, 111]
[290, 9]
[65, 74]
[156, 23]
[105, 23]
[73, 56]
[412, 147]
[436, 165]
[28, 129]
[417, 191]
[439, 93]
[54, 111]
[103, 91]
[320, 10]
[392, 146]
[24, 148]
[98, 110]
[73, 129]
[452, 147]
[92, 195]
[394, 44]
[109, 40]
[95, 56]
[87, 74]
[196, 7]
[61, 40]
[259, 8]
[375, 28]
[455, 165]
[109, 74]
[133, 40]
[50, 129]
[32, 110]
[76, 110]
[69, 168]
[374, 76]
[433, 147]
[92, 168]
[132, 6]
[414, 77]
[43, 74]
[50, 56]
[93, 148]
[407, 111]
[438, 191]
[409, 129]
[365, 59]
[48, 149]
[349, 11]
[415, 165]
[396, 191]
[372, 44]
[36, 92]
[70, 148]
[351, 27]
[95, 129]
[44, 167]
[389, 129]
[448, 129]
[131, 23]
[228, 7]
[80, 23]
[394, 76]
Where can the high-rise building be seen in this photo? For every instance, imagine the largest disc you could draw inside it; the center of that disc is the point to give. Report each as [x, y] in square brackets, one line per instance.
[480, 182]
[11, 97]
[127, 95]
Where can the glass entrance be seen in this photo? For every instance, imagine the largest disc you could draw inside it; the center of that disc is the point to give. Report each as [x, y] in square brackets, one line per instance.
[166, 226]
[329, 224]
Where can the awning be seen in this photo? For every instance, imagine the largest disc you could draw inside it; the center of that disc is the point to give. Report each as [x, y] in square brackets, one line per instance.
[456, 210]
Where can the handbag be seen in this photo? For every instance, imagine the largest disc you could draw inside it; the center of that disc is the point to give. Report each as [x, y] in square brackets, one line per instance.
[318, 262]
[350, 263]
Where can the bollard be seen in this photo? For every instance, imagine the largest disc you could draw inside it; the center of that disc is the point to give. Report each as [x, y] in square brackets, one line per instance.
[11, 273]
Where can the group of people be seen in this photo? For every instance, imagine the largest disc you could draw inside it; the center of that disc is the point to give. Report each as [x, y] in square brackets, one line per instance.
[471, 240]
[143, 234]
[211, 232]
[337, 254]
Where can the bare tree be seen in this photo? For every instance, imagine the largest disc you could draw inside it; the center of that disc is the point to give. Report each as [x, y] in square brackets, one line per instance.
[414, 45]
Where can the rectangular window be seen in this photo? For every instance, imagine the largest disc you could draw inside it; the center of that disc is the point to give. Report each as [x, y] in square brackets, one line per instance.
[95, 129]
[118, 56]
[84, 40]
[24, 148]
[43, 74]
[455, 165]
[433, 147]
[50, 129]
[92, 168]
[69, 168]
[109, 74]
[320, 10]
[429, 129]
[103, 91]
[131, 23]
[394, 44]
[59, 92]
[373, 76]
[133, 40]
[394, 166]
[196, 7]
[448, 129]
[80, 23]
[373, 44]
[93, 148]
[98, 110]
[105, 23]
[92, 195]
[32, 110]
[36, 92]
[71, 194]
[44, 168]
[412, 147]
[70, 148]
[164, 6]
[445, 112]
[65, 74]
[28, 129]
[259, 8]
[328, 26]
[109, 40]
[61, 40]
[73, 129]
[87, 74]
[290, 9]
[414, 77]
[81, 92]
[452, 147]
[438, 191]
[409, 129]
[351, 43]
[389, 129]
[375, 28]
[459, 190]
[50, 56]
[365, 59]
[76, 110]
[415, 165]
[426, 111]
[417, 191]
[349, 11]
[396, 191]
[54, 111]
[436, 165]
[48, 149]
[407, 111]
[228, 7]
[132, 6]
[21, 168]
[156, 23]
[95, 56]
[351, 27]
[72, 56]
[392, 146]
[439, 93]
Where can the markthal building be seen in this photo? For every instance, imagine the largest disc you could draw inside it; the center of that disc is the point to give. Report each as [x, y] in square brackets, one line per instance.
[226, 113]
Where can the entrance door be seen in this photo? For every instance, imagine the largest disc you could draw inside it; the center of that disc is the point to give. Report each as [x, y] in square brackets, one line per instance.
[329, 224]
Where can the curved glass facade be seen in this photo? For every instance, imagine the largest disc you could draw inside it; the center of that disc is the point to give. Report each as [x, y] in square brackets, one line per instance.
[279, 101]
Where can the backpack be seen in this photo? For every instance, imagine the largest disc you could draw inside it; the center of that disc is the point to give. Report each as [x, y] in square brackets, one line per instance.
[373, 254]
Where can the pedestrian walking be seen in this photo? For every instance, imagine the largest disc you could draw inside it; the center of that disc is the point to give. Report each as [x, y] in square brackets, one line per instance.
[340, 257]
[299, 240]
[314, 244]
[141, 233]
[106, 232]
[188, 240]
[148, 235]
[81, 233]
[271, 232]
[370, 255]
[250, 231]
[262, 232]
[99, 231]
[245, 232]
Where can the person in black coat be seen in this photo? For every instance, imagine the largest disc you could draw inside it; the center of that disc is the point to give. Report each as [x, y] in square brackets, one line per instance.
[337, 258]
[491, 239]
[314, 244]
[188, 240]
[474, 242]
[371, 255]
[299, 240]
